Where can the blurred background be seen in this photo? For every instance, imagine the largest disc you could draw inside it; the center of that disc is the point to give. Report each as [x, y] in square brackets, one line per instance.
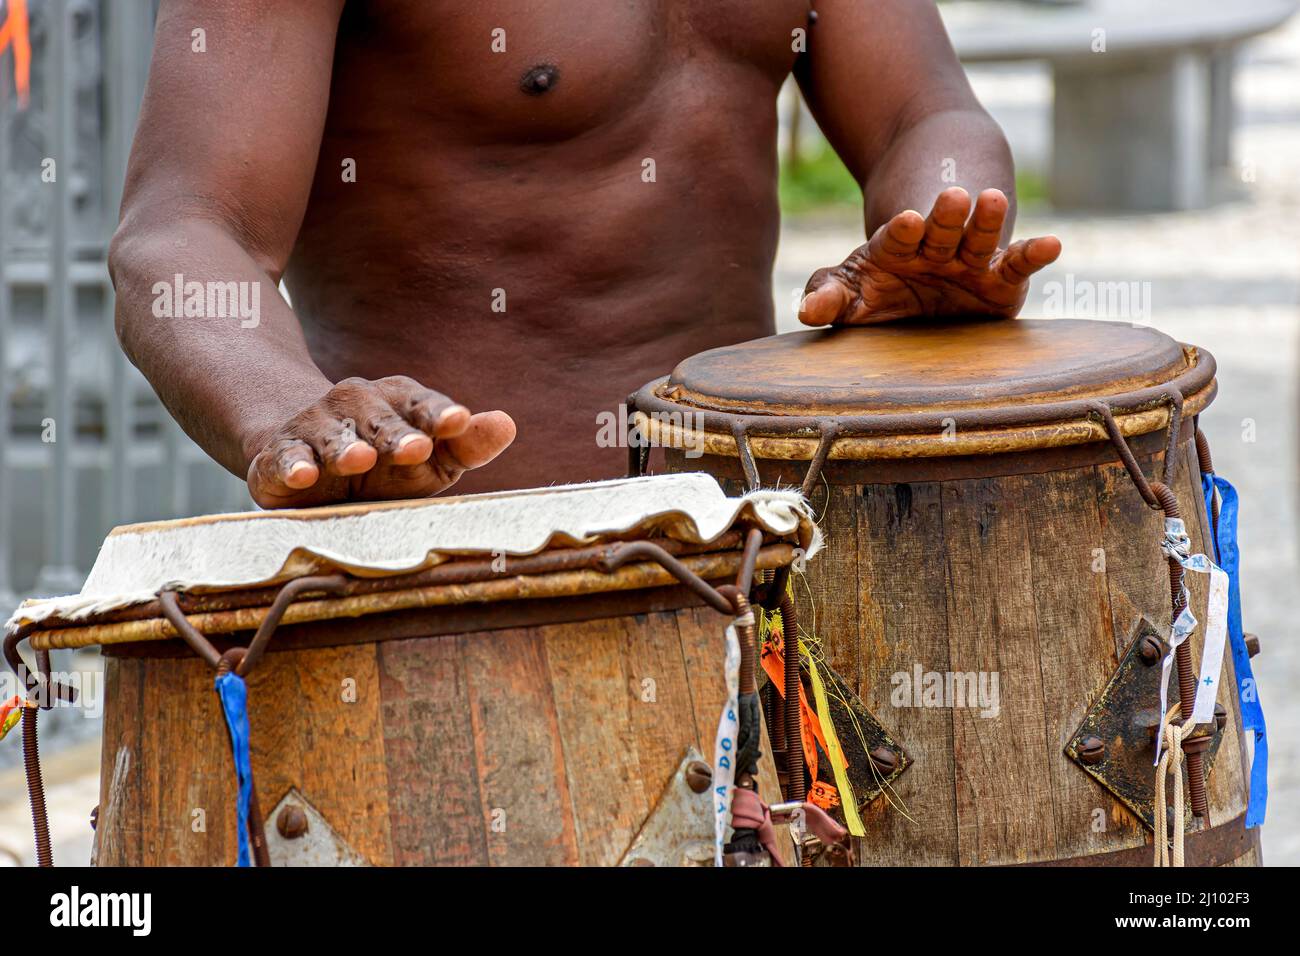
[1160, 139]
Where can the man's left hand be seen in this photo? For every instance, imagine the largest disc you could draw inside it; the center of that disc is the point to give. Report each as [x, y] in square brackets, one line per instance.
[947, 264]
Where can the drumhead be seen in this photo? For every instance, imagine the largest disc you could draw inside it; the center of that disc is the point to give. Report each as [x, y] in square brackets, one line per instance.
[927, 388]
[926, 365]
[530, 544]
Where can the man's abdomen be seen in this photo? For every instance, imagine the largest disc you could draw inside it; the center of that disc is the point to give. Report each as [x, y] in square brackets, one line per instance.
[546, 279]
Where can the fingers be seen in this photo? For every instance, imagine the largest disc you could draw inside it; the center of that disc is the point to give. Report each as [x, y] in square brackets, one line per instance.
[943, 227]
[394, 440]
[390, 438]
[899, 239]
[831, 294]
[431, 412]
[984, 231]
[1022, 259]
[282, 470]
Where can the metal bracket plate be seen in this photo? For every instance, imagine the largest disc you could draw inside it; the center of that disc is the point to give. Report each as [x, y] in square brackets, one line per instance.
[1124, 719]
[875, 759]
[679, 831]
[319, 845]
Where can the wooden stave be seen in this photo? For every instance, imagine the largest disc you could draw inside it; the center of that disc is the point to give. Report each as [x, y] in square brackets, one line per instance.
[355, 762]
[1120, 516]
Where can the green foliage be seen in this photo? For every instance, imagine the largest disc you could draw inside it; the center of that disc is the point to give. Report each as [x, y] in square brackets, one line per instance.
[819, 182]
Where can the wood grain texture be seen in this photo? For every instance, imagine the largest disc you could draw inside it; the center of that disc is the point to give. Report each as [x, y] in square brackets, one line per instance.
[1003, 775]
[903, 624]
[518, 753]
[828, 610]
[550, 744]
[657, 699]
[535, 745]
[1136, 581]
[435, 806]
[1077, 651]
[175, 802]
[316, 725]
[601, 758]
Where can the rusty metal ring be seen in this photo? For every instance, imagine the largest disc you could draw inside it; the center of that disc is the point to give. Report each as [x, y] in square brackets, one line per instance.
[623, 553]
[47, 689]
[740, 434]
[199, 643]
[329, 584]
[192, 636]
[830, 431]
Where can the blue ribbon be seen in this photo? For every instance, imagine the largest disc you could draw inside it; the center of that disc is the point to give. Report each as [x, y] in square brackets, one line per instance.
[1252, 713]
[234, 702]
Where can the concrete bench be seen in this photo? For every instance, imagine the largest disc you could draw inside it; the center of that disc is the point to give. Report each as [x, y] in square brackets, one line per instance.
[1143, 88]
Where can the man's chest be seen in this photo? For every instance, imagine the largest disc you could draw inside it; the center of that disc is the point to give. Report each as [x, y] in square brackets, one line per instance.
[555, 68]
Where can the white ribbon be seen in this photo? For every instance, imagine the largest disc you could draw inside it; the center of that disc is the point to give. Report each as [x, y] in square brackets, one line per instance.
[724, 744]
[1178, 545]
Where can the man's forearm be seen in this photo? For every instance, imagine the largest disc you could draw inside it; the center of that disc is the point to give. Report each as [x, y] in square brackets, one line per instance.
[943, 149]
[226, 378]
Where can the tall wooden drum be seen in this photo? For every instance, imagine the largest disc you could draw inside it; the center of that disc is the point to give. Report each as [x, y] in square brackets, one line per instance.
[993, 495]
[527, 678]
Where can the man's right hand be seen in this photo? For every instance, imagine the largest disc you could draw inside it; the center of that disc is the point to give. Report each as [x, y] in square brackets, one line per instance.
[373, 440]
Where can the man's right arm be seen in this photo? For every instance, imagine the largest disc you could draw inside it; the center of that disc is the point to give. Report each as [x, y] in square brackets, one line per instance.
[216, 188]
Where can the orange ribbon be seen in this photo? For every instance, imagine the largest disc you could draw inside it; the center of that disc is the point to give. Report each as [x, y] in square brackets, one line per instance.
[14, 30]
[773, 659]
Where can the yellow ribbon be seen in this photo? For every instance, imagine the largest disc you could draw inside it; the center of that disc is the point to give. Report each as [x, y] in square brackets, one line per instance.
[838, 763]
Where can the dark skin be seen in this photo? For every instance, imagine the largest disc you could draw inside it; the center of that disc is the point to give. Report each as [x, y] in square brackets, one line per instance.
[502, 264]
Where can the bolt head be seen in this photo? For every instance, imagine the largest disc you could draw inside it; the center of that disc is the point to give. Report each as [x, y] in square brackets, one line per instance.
[1150, 650]
[1220, 716]
[699, 776]
[886, 760]
[1092, 750]
[291, 822]
[1252, 644]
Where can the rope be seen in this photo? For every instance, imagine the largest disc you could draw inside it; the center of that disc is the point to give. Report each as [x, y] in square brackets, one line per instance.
[1171, 762]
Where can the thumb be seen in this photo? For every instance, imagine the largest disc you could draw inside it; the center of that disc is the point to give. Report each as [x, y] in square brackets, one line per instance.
[487, 435]
[825, 299]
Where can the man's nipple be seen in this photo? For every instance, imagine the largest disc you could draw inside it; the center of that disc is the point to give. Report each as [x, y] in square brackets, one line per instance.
[540, 79]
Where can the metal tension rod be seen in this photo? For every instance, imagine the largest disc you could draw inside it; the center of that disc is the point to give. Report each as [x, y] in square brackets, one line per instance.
[1160, 497]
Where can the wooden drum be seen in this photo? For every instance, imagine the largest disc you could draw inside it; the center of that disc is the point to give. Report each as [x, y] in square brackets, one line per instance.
[494, 679]
[993, 586]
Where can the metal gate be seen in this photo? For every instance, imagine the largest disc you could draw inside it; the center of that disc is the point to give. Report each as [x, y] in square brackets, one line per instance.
[84, 443]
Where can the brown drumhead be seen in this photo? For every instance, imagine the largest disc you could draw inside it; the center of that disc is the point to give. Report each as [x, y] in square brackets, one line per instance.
[925, 365]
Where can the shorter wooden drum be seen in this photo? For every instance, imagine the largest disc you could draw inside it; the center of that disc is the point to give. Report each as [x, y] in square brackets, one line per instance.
[497, 686]
[982, 522]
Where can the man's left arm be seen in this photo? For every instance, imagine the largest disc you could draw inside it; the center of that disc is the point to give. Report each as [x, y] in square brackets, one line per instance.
[884, 84]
